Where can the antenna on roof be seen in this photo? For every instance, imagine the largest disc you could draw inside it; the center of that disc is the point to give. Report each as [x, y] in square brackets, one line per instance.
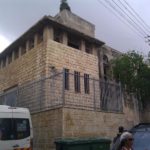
[64, 5]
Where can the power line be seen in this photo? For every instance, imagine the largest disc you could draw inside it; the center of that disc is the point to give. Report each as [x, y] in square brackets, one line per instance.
[137, 15]
[147, 37]
[124, 17]
[129, 17]
[141, 23]
[122, 20]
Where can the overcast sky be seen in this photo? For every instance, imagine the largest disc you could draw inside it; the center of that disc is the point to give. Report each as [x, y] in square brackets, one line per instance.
[16, 16]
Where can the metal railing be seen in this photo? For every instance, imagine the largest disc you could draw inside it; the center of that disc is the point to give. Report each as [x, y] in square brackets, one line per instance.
[49, 93]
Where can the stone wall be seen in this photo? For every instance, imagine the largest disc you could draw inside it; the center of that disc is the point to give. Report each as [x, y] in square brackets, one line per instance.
[47, 126]
[145, 114]
[131, 110]
[84, 123]
[61, 56]
[66, 123]
[28, 67]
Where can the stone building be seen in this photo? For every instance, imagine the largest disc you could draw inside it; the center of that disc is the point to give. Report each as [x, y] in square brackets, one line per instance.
[62, 73]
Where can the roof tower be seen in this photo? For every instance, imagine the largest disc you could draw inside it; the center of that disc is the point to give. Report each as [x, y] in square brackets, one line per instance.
[64, 5]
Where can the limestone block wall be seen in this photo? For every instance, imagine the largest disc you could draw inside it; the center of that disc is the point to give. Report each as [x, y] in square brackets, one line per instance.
[47, 126]
[28, 67]
[145, 114]
[90, 100]
[66, 122]
[84, 123]
[62, 56]
[131, 114]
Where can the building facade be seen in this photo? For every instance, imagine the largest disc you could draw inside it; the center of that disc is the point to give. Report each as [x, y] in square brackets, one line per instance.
[62, 73]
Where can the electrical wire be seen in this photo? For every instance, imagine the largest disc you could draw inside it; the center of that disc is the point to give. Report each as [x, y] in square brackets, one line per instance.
[137, 19]
[125, 16]
[120, 18]
[138, 16]
[132, 20]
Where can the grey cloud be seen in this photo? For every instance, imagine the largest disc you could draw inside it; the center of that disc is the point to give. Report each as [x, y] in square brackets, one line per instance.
[16, 16]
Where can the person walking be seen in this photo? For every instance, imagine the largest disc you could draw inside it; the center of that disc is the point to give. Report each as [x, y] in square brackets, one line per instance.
[126, 141]
[116, 140]
[120, 131]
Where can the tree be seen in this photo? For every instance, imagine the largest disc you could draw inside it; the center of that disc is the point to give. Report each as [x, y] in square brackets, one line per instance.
[133, 73]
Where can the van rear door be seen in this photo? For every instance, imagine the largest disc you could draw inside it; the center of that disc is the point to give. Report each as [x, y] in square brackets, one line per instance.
[5, 133]
[15, 133]
[21, 128]
[5, 128]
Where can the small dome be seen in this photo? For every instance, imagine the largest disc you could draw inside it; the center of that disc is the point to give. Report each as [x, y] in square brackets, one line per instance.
[64, 5]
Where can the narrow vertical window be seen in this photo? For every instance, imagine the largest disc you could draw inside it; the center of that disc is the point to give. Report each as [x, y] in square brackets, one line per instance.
[77, 81]
[86, 84]
[31, 43]
[23, 49]
[9, 58]
[16, 53]
[58, 35]
[4, 62]
[88, 48]
[66, 73]
[40, 37]
[74, 42]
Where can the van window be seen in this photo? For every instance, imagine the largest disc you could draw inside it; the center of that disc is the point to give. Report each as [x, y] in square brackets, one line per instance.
[14, 129]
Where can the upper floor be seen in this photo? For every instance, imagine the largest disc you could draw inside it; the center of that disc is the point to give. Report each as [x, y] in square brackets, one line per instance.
[65, 28]
[63, 41]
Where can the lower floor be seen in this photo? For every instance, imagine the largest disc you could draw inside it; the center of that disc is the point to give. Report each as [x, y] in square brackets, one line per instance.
[58, 123]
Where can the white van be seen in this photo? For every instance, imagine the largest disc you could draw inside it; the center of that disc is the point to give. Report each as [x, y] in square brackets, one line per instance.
[15, 128]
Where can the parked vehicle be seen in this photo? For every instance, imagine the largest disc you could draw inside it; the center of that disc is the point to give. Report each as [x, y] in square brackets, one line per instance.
[15, 128]
[141, 134]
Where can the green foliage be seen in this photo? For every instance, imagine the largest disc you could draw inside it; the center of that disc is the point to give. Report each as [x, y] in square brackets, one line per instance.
[133, 73]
